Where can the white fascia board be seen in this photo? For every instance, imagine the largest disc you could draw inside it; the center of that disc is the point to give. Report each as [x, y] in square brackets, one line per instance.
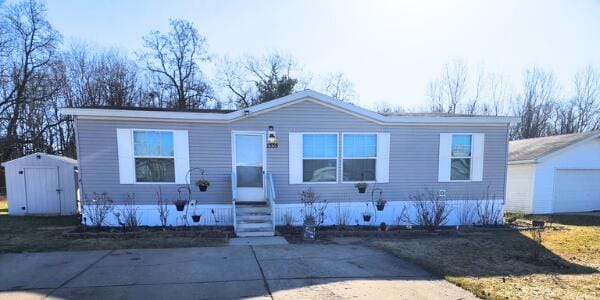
[277, 103]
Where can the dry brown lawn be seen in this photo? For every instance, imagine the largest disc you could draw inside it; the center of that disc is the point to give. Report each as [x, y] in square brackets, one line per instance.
[38, 234]
[500, 263]
[3, 206]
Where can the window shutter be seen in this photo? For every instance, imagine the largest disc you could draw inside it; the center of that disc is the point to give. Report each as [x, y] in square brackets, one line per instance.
[478, 148]
[125, 155]
[383, 157]
[181, 150]
[444, 157]
[295, 158]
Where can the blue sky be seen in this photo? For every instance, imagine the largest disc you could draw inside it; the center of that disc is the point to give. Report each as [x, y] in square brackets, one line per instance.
[388, 49]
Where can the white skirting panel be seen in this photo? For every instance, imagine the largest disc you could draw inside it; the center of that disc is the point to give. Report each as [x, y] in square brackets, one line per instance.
[149, 216]
[352, 212]
[349, 213]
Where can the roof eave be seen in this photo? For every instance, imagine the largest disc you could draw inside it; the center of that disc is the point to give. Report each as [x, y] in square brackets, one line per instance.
[306, 94]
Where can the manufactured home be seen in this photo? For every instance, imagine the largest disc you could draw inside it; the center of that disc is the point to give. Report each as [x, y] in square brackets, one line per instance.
[259, 159]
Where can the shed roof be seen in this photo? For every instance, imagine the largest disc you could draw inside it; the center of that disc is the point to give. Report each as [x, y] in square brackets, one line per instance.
[50, 156]
[536, 148]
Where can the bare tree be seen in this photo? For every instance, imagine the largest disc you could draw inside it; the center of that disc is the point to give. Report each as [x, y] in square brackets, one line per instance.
[338, 86]
[446, 92]
[28, 63]
[387, 108]
[536, 104]
[255, 80]
[582, 112]
[176, 57]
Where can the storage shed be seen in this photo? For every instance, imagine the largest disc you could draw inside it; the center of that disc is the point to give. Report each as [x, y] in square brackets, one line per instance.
[41, 184]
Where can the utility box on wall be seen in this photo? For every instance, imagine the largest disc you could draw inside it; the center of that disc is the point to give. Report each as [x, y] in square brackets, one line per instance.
[41, 184]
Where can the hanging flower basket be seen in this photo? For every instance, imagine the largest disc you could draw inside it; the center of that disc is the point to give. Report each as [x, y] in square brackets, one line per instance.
[367, 218]
[203, 184]
[196, 218]
[380, 206]
[362, 187]
[180, 204]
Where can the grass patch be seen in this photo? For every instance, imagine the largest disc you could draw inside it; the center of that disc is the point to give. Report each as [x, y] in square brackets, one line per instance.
[37, 234]
[3, 206]
[499, 264]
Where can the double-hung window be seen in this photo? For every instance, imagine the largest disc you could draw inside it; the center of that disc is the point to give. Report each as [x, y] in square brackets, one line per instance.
[319, 157]
[154, 156]
[461, 157]
[359, 157]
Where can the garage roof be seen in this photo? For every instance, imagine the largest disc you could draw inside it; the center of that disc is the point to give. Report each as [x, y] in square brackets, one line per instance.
[533, 149]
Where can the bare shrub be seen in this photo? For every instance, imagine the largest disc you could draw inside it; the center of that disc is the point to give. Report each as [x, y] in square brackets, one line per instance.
[314, 207]
[537, 234]
[97, 209]
[128, 216]
[162, 206]
[431, 210]
[342, 216]
[488, 210]
[467, 213]
[288, 219]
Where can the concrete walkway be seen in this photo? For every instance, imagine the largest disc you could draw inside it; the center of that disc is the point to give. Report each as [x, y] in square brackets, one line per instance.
[269, 272]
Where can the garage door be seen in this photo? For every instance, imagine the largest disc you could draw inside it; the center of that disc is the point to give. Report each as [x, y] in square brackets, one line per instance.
[576, 190]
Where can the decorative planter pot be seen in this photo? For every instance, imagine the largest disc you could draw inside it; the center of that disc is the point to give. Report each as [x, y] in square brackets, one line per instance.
[361, 189]
[195, 218]
[180, 207]
[367, 218]
[380, 206]
[203, 188]
[309, 229]
[383, 226]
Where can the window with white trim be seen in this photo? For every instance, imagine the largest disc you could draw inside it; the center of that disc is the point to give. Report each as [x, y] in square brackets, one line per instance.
[319, 157]
[461, 157]
[154, 156]
[359, 157]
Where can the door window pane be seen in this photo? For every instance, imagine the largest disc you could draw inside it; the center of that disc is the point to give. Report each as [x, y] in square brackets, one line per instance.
[319, 170]
[154, 169]
[249, 176]
[359, 169]
[461, 169]
[249, 150]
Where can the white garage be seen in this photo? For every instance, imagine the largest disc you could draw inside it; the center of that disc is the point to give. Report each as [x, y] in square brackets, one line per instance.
[554, 174]
[41, 184]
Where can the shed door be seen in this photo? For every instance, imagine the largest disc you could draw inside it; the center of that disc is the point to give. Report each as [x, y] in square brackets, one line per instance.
[577, 190]
[42, 190]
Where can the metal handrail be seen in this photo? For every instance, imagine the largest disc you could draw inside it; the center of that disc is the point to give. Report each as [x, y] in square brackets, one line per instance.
[271, 196]
[234, 198]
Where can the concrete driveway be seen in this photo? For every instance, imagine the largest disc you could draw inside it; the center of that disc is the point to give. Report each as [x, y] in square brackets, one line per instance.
[277, 271]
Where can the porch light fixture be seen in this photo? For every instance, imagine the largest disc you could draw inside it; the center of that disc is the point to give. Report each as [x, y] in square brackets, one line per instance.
[271, 138]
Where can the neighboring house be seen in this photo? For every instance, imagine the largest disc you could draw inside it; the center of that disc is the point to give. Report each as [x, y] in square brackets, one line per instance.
[322, 143]
[554, 174]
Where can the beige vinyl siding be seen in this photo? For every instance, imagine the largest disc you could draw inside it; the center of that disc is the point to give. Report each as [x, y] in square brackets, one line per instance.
[413, 156]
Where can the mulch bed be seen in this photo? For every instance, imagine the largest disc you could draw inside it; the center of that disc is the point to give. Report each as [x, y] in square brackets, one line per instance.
[194, 232]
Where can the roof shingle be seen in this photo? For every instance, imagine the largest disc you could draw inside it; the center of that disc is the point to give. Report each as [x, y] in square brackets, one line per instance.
[533, 149]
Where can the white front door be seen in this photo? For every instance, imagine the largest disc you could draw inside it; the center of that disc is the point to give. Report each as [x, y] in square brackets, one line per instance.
[249, 165]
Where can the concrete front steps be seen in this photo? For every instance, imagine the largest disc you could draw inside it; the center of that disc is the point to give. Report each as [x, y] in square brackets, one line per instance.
[253, 219]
